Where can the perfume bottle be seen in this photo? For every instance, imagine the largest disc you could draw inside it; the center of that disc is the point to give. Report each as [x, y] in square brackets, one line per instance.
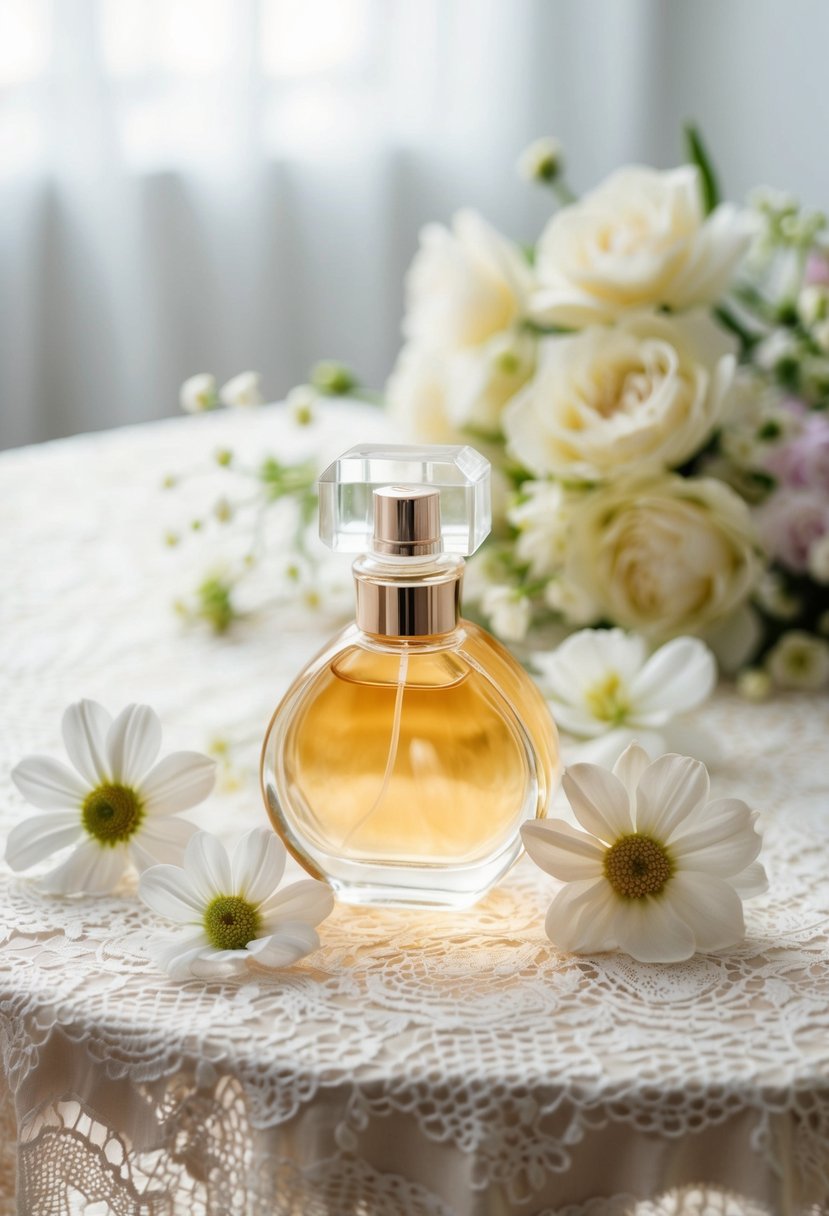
[402, 761]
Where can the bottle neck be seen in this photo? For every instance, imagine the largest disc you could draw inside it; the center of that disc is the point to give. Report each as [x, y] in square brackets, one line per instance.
[408, 598]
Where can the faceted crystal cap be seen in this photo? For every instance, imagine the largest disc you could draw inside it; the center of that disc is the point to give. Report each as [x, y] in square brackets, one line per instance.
[460, 474]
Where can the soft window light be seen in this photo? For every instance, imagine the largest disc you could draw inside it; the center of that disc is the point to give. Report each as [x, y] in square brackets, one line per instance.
[299, 37]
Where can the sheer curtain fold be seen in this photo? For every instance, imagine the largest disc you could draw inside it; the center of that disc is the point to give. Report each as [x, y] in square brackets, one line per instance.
[220, 184]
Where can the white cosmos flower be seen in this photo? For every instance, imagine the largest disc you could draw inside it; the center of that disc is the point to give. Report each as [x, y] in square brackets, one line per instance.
[236, 917]
[603, 685]
[659, 872]
[118, 805]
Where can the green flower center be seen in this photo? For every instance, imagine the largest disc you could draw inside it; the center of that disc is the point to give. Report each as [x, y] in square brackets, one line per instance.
[112, 813]
[230, 922]
[637, 866]
[607, 700]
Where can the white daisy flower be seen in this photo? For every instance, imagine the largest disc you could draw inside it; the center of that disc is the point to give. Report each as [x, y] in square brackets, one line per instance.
[604, 687]
[198, 393]
[118, 805]
[236, 917]
[243, 391]
[659, 871]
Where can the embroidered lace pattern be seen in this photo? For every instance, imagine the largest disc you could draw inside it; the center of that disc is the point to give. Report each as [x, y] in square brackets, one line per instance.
[417, 1064]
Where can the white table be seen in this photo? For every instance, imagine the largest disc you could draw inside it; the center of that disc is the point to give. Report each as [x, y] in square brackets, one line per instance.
[418, 1063]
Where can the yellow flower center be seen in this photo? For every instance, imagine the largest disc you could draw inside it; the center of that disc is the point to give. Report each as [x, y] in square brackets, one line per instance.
[230, 922]
[637, 866]
[112, 813]
[607, 700]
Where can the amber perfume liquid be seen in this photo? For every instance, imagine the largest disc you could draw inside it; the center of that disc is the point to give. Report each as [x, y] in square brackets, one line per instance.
[401, 769]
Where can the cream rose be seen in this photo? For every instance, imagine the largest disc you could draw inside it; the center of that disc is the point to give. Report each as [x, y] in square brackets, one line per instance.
[663, 555]
[639, 240]
[610, 401]
[464, 285]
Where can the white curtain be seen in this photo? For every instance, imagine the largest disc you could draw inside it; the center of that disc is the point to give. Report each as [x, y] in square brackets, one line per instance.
[217, 185]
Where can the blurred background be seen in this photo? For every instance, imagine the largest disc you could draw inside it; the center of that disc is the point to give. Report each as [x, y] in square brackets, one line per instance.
[216, 185]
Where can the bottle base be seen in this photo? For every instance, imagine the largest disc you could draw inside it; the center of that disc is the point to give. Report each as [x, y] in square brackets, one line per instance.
[409, 886]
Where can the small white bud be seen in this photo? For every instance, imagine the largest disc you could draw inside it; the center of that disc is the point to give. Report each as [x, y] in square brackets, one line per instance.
[799, 660]
[242, 392]
[754, 684]
[542, 160]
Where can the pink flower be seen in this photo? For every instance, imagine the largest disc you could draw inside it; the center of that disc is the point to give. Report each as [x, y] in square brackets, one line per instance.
[803, 461]
[791, 522]
[817, 269]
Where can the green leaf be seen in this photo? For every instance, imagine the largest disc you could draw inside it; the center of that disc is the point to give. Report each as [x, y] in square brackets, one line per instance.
[698, 155]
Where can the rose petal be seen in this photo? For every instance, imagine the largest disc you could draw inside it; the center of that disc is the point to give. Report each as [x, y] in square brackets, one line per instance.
[308, 901]
[177, 783]
[669, 790]
[651, 932]
[91, 869]
[133, 742]
[710, 908]
[257, 865]
[40, 836]
[678, 677]
[599, 800]
[288, 943]
[719, 839]
[169, 892]
[85, 726]
[208, 867]
[561, 850]
[48, 784]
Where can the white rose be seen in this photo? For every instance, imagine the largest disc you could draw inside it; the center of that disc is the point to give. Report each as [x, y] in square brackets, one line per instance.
[242, 391]
[198, 393]
[435, 393]
[663, 555]
[639, 240]
[464, 285]
[417, 396]
[610, 401]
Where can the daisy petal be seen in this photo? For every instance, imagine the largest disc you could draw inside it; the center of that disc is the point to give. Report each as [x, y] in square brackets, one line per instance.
[719, 839]
[48, 784]
[257, 865]
[290, 942]
[40, 836]
[678, 677]
[175, 955]
[207, 866]
[308, 901]
[90, 869]
[607, 750]
[651, 932]
[599, 800]
[750, 881]
[670, 789]
[564, 924]
[220, 964]
[133, 742]
[169, 892]
[630, 766]
[178, 782]
[710, 908]
[85, 726]
[562, 850]
[162, 839]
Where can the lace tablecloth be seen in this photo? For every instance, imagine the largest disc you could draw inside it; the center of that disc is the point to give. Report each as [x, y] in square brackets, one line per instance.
[455, 1065]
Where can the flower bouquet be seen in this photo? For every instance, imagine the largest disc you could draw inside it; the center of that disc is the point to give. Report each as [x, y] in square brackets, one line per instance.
[650, 381]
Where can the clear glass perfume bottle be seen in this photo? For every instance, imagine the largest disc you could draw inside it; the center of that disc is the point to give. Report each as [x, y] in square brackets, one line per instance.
[402, 761]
